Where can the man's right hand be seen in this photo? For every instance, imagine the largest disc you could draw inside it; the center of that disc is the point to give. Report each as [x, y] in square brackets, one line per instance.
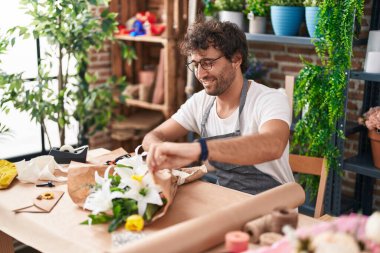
[170, 155]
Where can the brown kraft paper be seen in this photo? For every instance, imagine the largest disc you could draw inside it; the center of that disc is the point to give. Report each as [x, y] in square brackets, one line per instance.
[81, 178]
[208, 230]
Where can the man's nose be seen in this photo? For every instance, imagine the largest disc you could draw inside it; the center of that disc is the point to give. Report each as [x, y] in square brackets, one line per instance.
[201, 72]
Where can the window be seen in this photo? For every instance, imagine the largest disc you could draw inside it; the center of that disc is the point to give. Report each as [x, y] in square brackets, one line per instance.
[26, 136]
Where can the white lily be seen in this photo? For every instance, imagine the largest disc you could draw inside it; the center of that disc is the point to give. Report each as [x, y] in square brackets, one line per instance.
[100, 200]
[101, 180]
[143, 190]
[134, 163]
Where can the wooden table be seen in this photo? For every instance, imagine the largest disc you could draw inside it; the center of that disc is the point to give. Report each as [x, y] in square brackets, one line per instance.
[60, 230]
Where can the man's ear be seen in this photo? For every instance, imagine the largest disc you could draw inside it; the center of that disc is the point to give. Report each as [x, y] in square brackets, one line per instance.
[236, 60]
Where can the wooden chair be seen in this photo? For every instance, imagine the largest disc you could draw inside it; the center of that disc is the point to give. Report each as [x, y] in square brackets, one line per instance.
[312, 166]
[306, 164]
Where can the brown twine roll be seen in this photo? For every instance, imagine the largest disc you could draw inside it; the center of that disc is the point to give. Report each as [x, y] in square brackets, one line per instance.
[268, 238]
[272, 222]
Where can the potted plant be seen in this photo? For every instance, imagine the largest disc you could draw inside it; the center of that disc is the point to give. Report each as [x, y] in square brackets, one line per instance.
[257, 11]
[371, 119]
[231, 10]
[286, 16]
[71, 33]
[312, 15]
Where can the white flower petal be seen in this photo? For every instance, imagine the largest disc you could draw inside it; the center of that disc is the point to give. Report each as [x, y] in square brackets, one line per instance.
[100, 200]
[141, 205]
[133, 184]
[124, 172]
[153, 197]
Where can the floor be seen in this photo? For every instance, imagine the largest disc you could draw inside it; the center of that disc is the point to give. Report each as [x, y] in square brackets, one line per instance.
[22, 248]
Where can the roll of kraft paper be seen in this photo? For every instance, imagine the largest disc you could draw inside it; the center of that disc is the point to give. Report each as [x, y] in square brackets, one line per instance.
[207, 231]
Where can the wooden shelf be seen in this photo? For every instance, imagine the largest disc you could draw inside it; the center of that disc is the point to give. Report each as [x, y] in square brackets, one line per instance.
[143, 38]
[145, 105]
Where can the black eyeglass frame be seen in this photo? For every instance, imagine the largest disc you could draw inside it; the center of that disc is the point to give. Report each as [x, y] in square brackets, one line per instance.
[209, 65]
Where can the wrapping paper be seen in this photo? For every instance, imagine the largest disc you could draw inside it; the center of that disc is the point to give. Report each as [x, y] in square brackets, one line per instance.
[233, 217]
[39, 168]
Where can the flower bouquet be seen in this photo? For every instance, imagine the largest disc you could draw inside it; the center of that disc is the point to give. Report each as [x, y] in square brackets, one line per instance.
[371, 119]
[126, 192]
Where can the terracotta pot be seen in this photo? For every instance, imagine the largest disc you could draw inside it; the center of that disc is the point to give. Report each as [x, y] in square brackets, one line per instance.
[375, 146]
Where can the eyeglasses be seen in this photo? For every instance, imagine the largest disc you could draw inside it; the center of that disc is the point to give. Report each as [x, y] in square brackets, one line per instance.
[206, 64]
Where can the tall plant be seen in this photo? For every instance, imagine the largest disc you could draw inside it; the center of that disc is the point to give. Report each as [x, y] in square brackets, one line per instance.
[321, 88]
[71, 29]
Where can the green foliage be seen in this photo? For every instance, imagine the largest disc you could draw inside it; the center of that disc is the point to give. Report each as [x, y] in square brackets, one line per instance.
[71, 30]
[257, 7]
[321, 88]
[230, 5]
[312, 3]
[209, 8]
[286, 2]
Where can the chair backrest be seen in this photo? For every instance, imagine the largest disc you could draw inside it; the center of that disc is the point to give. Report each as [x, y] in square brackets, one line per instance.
[307, 164]
[313, 166]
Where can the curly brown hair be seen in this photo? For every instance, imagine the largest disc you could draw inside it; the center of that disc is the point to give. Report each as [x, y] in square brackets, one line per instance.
[224, 36]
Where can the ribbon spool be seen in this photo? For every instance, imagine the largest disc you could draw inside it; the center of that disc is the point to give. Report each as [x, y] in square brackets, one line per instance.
[236, 241]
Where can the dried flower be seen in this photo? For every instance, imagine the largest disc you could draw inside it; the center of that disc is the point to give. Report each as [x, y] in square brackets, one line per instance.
[371, 119]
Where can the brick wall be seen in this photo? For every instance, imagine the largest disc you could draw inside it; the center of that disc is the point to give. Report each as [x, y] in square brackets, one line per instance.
[281, 60]
[100, 65]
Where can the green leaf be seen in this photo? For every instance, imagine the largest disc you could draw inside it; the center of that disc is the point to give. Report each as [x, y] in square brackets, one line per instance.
[100, 218]
[151, 209]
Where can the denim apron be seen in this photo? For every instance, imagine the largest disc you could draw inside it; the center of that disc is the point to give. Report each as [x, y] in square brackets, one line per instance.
[245, 178]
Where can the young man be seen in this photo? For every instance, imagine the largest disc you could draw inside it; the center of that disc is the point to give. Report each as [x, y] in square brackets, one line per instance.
[244, 126]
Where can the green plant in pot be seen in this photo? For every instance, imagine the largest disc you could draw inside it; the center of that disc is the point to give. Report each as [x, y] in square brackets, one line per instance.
[209, 9]
[257, 11]
[286, 16]
[312, 14]
[231, 10]
[71, 29]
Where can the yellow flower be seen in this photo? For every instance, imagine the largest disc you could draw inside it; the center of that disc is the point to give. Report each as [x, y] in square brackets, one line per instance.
[137, 178]
[134, 223]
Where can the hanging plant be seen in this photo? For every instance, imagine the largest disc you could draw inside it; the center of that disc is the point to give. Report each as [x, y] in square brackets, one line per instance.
[321, 88]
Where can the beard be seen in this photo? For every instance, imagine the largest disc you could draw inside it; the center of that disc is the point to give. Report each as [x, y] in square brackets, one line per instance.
[220, 82]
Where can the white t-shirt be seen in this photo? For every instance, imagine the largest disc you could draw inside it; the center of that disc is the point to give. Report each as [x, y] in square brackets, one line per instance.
[262, 104]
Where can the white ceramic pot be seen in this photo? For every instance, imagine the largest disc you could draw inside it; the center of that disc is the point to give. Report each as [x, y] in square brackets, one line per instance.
[233, 17]
[257, 24]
